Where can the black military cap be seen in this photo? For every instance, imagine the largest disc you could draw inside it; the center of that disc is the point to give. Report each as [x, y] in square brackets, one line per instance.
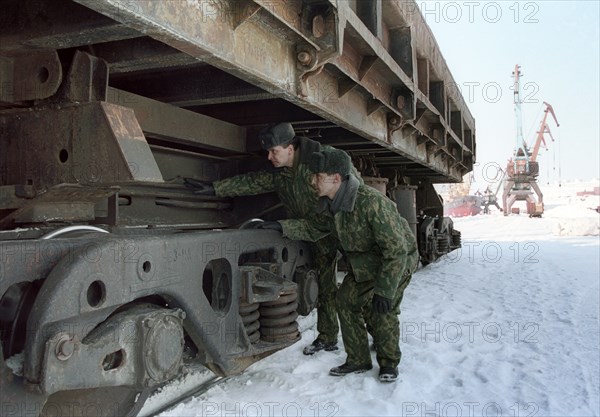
[330, 161]
[276, 135]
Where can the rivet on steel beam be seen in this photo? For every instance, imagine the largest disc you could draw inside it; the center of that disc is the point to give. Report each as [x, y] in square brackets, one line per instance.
[400, 102]
[394, 121]
[65, 348]
[318, 26]
[304, 58]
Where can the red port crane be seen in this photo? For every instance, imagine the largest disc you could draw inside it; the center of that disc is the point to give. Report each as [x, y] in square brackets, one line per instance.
[523, 168]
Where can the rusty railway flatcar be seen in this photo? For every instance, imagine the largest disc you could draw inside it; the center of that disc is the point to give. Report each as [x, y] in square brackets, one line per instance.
[113, 274]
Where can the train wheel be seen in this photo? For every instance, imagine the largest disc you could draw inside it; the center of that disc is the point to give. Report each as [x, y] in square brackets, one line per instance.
[15, 305]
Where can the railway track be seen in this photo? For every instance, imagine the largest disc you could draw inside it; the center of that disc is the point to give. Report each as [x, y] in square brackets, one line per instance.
[181, 391]
[198, 379]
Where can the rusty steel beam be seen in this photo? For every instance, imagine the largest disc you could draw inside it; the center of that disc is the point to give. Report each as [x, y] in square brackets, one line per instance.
[183, 126]
[426, 48]
[292, 60]
[141, 54]
[387, 81]
[63, 202]
[120, 151]
[370, 13]
[191, 86]
[46, 25]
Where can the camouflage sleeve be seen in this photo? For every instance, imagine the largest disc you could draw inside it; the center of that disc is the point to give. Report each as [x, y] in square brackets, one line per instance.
[389, 236]
[260, 182]
[412, 256]
[303, 229]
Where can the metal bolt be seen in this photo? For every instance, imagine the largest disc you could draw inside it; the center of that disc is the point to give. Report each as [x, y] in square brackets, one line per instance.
[400, 102]
[318, 26]
[304, 58]
[65, 348]
[394, 120]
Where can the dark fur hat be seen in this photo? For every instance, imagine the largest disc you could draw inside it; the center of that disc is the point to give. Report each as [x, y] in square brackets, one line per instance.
[330, 161]
[275, 135]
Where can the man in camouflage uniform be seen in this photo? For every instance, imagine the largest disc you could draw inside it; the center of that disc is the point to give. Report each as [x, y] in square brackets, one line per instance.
[291, 181]
[382, 254]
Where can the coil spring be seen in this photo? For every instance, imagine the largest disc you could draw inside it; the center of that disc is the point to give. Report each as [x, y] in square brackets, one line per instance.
[456, 239]
[278, 318]
[250, 314]
[443, 245]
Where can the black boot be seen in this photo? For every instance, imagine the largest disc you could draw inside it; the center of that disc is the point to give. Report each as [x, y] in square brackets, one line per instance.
[388, 374]
[347, 368]
[318, 345]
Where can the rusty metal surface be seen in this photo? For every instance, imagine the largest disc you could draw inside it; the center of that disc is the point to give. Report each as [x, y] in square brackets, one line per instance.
[165, 206]
[163, 120]
[55, 24]
[190, 85]
[92, 143]
[87, 80]
[16, 80]
[65, 202]
[141, 54]
[14, 196]
[374, 70]
[278, 51]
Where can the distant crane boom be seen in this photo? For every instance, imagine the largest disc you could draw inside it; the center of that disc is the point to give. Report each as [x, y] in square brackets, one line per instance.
[544, 128]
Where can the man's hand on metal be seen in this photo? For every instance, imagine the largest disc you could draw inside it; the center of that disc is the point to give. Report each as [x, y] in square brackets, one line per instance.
[200, 187]
[381, 305]
[270, 226]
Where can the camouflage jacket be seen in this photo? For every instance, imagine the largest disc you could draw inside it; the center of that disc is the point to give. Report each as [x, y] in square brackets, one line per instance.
[292, 185]
[377, 241]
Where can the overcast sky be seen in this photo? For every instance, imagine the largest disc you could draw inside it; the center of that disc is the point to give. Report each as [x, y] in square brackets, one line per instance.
[556, 43]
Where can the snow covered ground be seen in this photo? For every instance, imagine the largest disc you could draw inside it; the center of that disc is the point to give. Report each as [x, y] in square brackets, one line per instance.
[506, 326]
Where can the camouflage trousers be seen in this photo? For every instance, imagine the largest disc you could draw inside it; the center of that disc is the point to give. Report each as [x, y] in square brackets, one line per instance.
[325, 251]
[356, 316]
